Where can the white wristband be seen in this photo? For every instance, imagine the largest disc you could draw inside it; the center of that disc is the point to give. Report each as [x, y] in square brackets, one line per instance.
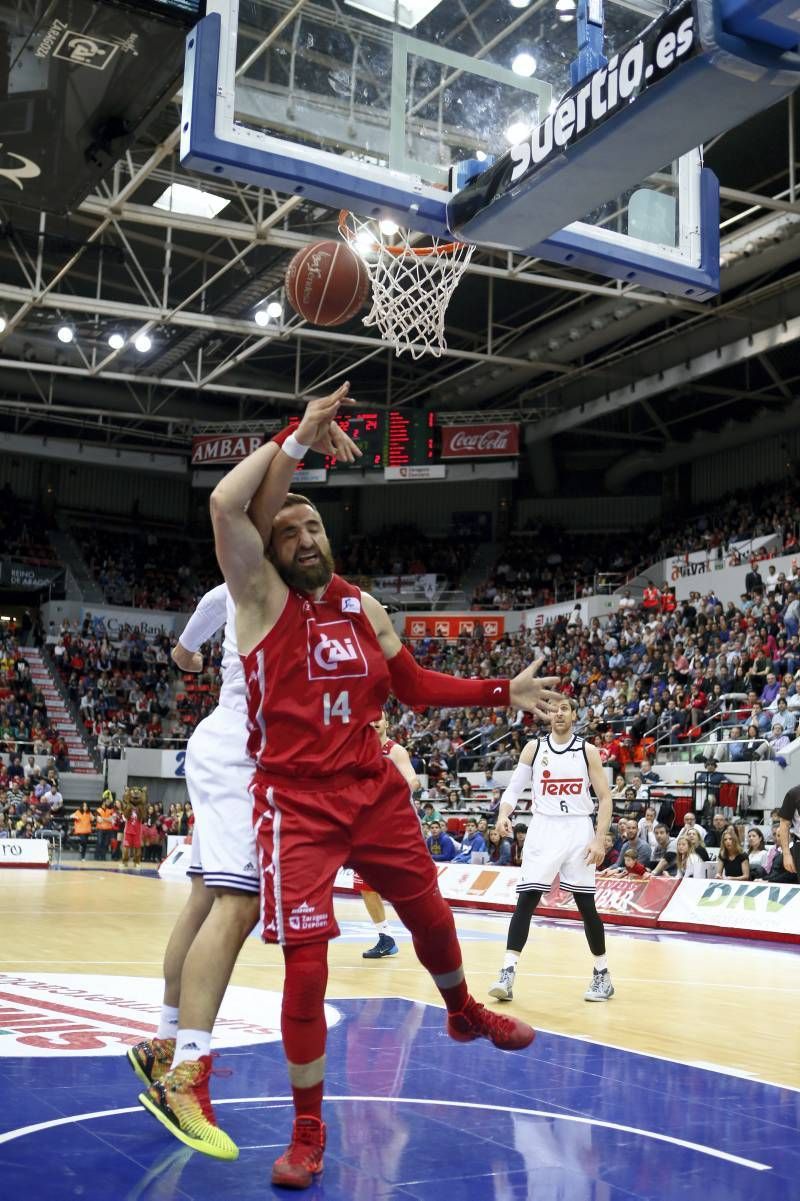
[293, 448]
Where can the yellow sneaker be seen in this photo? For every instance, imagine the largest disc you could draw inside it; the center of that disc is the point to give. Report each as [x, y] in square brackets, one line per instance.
[180, 1101]
[151, 1058]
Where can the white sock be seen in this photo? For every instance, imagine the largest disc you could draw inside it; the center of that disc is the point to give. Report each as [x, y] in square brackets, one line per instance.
[168, 1022]
[191, 1044]
[600, 963]
[511, 959]
[383, 928]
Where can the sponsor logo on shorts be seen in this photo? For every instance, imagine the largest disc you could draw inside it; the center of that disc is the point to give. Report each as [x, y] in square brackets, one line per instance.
[334, 651]
[249, 867]
[305, 917]
[572, 786]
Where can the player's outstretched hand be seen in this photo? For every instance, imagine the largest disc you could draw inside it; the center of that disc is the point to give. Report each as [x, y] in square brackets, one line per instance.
[537, 696]
[314, 428]
[503, 827]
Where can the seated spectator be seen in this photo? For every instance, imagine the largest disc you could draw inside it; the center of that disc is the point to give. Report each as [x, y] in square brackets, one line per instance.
[472, 842]
[520, 831]
[777, 739]
[755, 745]
[719, 824]
[732, 862]
[688, 863]
[648, 776]
[756, 853]
[429, 814]
[639, 846]
[611, 853]
[690, 822]
[662, 860]
[629, 866]
[440, 844]
[498, 848]
[696, 844]
[647, 825]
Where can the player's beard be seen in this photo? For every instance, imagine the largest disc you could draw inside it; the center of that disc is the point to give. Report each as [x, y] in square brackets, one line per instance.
[308, 579]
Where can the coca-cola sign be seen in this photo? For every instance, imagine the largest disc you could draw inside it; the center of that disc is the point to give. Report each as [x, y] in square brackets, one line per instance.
[500, 440]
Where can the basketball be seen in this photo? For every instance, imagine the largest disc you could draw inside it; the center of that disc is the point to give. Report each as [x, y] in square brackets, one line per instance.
[327, 283]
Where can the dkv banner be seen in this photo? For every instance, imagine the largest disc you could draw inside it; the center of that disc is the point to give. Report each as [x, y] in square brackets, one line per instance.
[757, 906]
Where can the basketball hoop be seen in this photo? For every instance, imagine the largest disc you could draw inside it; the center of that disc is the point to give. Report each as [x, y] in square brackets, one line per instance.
[411, 285]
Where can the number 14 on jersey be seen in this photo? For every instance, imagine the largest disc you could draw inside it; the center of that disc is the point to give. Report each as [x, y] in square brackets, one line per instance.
[339, 707]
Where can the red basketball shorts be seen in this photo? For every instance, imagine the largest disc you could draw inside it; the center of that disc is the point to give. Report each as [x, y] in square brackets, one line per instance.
[304, 835]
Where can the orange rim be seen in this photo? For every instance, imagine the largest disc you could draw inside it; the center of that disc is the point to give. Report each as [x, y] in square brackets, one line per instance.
[447, 248]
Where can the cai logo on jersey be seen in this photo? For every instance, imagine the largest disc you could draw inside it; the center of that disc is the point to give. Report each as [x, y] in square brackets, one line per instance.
[334, 652]
[566, 786]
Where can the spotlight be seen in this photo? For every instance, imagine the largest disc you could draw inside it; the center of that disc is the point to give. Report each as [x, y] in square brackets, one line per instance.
[388, 227]
[275, 310]
[3, 324]
[116, 341]
[143, 343]
[65, 334]
[523, 64]
[261, 317]
[517, 132]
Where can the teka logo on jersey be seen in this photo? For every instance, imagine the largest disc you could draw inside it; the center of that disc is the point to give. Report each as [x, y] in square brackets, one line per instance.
[565, 787]
[480, 441]
[334, 652]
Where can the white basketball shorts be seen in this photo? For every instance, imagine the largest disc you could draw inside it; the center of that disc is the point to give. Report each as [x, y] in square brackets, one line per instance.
[218, 775]
[556, 846]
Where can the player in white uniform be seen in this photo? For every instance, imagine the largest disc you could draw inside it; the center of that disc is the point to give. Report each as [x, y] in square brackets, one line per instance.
[222, 908]
[561, 770]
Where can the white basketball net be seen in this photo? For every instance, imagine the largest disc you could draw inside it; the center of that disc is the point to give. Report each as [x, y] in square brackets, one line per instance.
[411, 285]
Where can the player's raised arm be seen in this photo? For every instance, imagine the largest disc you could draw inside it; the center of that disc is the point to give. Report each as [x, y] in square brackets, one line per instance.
[209, 616]
[239, 546]
[317, 431]
[414, 685]
[595, 852]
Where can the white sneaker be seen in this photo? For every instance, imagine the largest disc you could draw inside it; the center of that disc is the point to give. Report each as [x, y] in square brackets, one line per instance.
[503, 990]
[601, 988]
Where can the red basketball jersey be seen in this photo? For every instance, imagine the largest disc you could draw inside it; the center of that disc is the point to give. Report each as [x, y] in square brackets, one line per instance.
[314, 684]
[387, 746]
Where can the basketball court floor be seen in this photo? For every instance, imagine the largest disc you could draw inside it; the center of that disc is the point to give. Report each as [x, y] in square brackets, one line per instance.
[686, 1084]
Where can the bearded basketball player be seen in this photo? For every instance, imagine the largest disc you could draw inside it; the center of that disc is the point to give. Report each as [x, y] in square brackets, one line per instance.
[320, 658]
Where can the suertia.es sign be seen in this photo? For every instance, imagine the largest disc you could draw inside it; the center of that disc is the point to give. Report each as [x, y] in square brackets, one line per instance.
[213, 450]
[497, 440]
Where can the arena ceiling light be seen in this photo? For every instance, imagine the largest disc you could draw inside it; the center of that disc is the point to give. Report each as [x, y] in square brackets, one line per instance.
[407, 13]
[116, 341]
[517, 132]
[524, 64]
[65, 334]
[143, 343]
[3, 324]
[565, 6]
[194, 202]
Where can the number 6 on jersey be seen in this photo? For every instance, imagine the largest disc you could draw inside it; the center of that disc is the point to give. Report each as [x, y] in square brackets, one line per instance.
[340, 708]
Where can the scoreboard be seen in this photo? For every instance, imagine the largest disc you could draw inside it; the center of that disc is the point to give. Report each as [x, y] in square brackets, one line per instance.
[386, 438]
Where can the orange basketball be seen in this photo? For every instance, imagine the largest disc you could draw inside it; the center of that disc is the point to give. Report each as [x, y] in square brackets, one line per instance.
[327, 283]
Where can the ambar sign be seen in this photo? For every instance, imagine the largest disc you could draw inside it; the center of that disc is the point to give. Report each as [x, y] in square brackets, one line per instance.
[215, 449]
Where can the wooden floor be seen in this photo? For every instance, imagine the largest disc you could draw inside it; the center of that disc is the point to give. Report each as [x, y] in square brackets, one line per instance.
[727, 1004]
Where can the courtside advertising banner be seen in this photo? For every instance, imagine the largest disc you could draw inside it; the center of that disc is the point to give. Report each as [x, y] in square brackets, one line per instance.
[498, 440]
[623, 898]
[752, 906]
[213, 450]
[24, 852]
[453, 626]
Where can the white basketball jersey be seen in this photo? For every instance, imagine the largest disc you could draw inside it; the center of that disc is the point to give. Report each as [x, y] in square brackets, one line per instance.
[560, 779]
[233, 694]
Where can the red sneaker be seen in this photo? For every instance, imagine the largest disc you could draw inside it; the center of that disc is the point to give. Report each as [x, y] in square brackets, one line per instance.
[302, 1159]
[475, 1021]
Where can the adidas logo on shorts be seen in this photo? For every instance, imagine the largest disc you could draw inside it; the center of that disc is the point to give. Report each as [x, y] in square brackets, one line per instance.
[249, 867]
